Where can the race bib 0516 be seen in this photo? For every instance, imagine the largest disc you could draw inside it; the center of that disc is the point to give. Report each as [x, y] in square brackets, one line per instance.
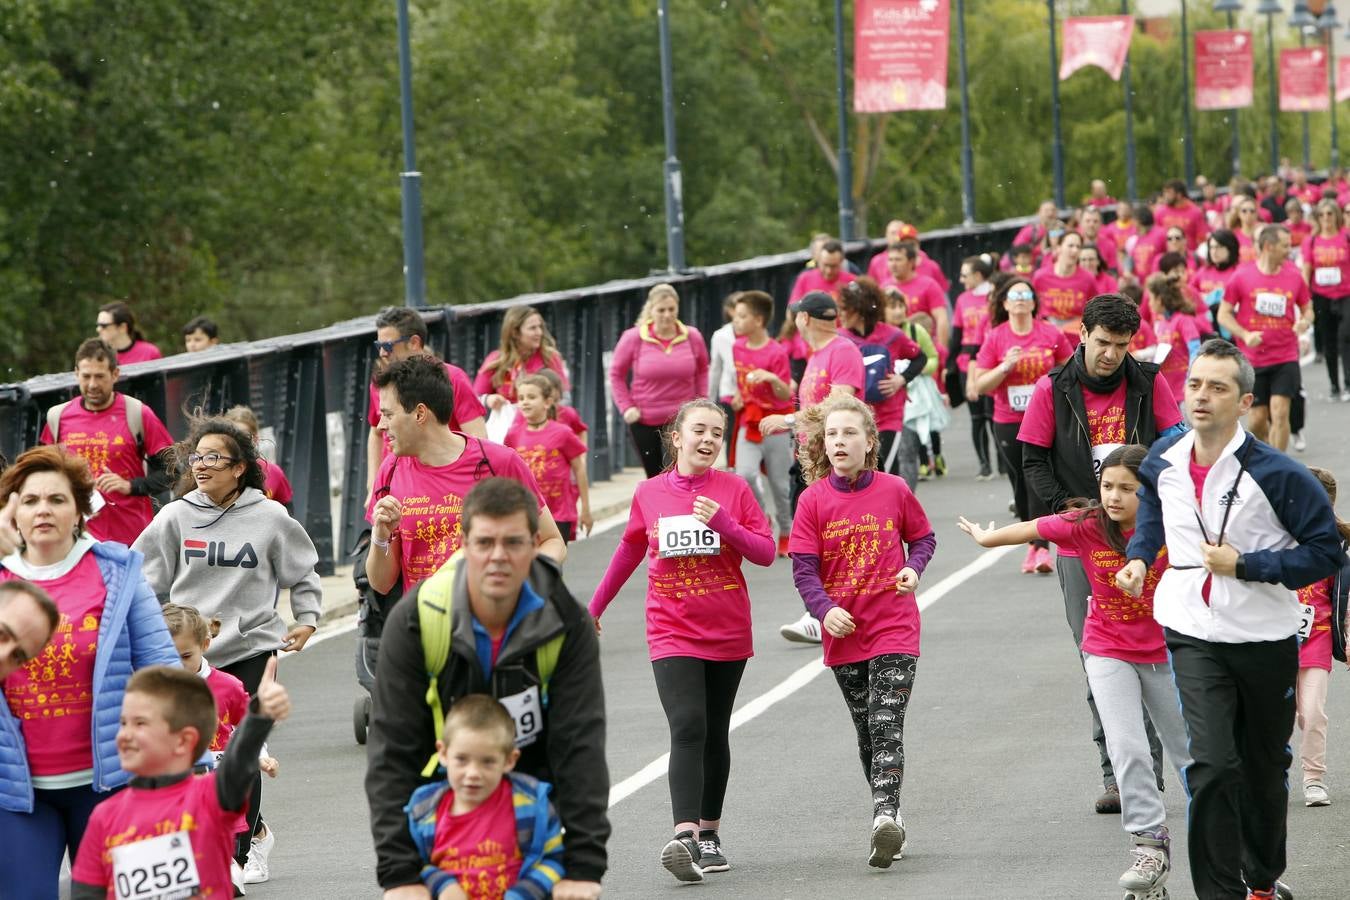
[686, 536]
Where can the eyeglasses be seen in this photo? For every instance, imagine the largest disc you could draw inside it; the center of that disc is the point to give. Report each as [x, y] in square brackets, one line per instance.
[513, 545]
[388, 346]
[1022, 296]
[210, 460]
[104, 324]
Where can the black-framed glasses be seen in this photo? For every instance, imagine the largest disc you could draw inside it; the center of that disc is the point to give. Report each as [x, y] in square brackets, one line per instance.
[104, 324]
[388, 346]
[210, 460]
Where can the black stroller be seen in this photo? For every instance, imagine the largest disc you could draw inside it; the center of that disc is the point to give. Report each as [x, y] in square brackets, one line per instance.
[372, 609]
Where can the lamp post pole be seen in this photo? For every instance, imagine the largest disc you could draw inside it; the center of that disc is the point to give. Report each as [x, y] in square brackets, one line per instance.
[1131, 185]
[845, 157]
[1327, 23]
[1188, 136]
[1058, 148]
[673, 181]
[967, 158]
[410, 180]
[1270, 7]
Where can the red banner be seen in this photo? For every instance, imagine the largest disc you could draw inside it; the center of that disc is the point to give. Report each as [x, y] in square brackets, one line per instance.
[1303, 80]
[1101, 41]
[900, 55]
[1223, 69]
[1342, 78]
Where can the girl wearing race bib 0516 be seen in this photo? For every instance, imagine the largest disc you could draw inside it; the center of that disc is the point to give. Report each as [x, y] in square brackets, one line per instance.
[860, 541]
[694, 524]
[1018, 349]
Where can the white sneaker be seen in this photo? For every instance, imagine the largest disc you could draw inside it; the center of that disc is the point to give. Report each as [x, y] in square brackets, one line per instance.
[1315, 794]
[888, 842]
[1300, 443]
[237, 878]
[255, 868]
[805, 630]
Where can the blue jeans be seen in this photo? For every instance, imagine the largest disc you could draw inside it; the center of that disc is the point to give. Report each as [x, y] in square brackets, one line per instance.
[41, 838]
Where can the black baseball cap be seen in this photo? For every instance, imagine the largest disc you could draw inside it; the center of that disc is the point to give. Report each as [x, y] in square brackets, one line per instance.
[817, 305]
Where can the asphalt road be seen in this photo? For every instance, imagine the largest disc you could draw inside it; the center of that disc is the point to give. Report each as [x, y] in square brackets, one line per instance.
[1000, 774]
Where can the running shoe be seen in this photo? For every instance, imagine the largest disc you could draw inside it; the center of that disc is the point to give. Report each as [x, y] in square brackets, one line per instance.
[1044, 564]
[1280, 891]
[255, 867]
[680, 857]
[924, 473]
[805, 630]
[888, 842]
[1109, 802]
[710, 855]
[237, 878]
[939, 465]
[1029, 564]
[1315, 794]
[1299, 442]
[1345, 396]
[985, 474]
[782, 546]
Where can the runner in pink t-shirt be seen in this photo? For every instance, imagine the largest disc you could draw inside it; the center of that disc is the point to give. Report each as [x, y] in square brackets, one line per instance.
[1063, 291]
[694, 524]
[1178, 211]
[970, 321]
[1124, 653]
[860, 543]
[526, 347]
[922, 294]
[1178, 338]
[1326, 268]
[828, 274]
[556, 457]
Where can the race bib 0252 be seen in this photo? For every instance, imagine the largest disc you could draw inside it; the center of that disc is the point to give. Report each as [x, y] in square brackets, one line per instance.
[158, 868]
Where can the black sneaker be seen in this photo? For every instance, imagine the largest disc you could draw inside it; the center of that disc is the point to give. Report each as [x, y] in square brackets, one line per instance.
[680, 857]
[711, 858]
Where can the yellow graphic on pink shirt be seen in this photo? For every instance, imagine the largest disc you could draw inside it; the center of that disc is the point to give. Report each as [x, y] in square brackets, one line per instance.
[484, 873]
[852, 549]
[430, 530]
[1106, 426]
[815, 384]
[687, 577]
[1109, 602]
[132, 834]
[1032, 364]
[1318, 597]
[1062, 302]
[549, 468]
[93, 446]
[59, 678]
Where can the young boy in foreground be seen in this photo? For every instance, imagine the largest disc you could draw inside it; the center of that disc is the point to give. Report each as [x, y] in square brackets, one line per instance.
[170, 834]
[487, 833]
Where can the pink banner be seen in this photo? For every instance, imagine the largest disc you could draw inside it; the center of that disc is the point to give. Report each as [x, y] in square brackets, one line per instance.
[1223, 69]
[1303, 80]
[1101, 41]
[1342, 78]
[900, 55]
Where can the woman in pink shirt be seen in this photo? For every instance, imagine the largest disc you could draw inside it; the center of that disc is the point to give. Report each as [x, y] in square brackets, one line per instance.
[1124, 654]
[1326, 268]
[1090, 260]
[1174, 326]
[1210, 280]
[1244, 222]
[1017, 350]
[527, 346]
[694, 523]
[658, 364]
[860, 542]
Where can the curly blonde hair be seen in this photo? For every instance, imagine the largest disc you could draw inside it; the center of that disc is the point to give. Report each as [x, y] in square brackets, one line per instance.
[811, 456]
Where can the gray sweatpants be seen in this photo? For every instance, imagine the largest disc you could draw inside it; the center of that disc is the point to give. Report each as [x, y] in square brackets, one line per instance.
[776, 453]
[1119, 688]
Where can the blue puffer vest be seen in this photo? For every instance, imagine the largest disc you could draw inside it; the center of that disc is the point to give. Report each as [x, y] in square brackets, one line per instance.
[131, 635]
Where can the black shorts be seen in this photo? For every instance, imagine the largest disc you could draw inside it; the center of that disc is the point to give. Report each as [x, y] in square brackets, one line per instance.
[1282, 380]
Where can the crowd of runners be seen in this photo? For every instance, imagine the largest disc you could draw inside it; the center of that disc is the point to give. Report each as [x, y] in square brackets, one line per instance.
[1107, 368]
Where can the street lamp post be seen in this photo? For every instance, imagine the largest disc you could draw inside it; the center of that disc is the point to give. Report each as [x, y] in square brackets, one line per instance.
[967, 158]
[1303, 20]
[673, 180]
[414, 281]
[1327, 23]
[1131, 186]
[1058, 148]
[1187, 135]
[1269, 9]
[845, 158]
[1228, 7]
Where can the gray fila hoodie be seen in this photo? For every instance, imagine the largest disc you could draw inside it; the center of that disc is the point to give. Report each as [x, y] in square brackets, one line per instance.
[231, 564]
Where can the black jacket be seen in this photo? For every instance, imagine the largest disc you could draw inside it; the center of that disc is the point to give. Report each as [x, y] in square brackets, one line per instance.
[570, 754]
[1340, 599]
[1064, 470]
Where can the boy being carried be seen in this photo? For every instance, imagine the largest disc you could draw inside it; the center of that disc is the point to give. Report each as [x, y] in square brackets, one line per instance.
[487, 833]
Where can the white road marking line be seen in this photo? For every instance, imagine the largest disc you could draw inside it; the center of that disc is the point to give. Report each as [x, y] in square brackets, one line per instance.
[800, 678]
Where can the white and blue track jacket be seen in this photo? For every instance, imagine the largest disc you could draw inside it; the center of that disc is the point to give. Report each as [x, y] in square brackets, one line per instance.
[1278, 518]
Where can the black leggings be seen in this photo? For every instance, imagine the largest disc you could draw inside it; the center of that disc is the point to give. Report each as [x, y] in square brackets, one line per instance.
[698, 695]
[250, 672]
[1027, 502]
[647, 439]
[876, 692]
[981, 425]
[1331, 334]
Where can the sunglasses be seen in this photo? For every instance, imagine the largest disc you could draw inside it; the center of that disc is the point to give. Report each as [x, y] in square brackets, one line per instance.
[1176, 237]
[1015, 296]
[388, 346]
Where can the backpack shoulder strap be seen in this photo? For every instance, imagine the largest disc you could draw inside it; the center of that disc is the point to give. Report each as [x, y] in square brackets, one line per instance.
[434, 601]
[546, 660]
[136, 420]
[54, 420]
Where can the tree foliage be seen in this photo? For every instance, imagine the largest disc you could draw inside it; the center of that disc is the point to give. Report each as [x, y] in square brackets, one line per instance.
[241, 159]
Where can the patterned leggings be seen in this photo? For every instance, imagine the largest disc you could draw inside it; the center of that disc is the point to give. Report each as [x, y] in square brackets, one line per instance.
[877, 693]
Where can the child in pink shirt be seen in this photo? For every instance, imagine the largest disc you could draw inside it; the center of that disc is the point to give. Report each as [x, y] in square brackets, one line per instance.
[694, 523]
[555, 456]
[1124, 654]
[860, 542]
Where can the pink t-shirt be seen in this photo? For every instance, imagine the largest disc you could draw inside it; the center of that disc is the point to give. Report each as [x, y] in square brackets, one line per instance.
[1210, 284]
[1246, 247]
[51, 695]
[1107, 250]
[1176, 332]
[277, 486]
[106, 442]
[1043, 348]
[696, 605]
[1144, 250]
[811, 280]
[467, 406]
[860, 539]
[433, 497]
[231, 704]
[569, 417]
[796, 347]
[771, 357]
[548, 451]
[1315, 650]
[1060, 299]
[1188, 217]
[1105, 417]
[1266, 303]
[480, 847]
[971, 315]
[1121, 233]
[1117, 626]
[136, 814]
[1327, 262]
[482, 382]
[138, 352]
[922, 293]
[838, 362]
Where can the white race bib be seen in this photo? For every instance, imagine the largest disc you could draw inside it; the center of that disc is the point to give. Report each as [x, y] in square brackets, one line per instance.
[1327, 275]
[1099, 455]
[529, 715]
[686, 536]
[160, 868]
[1306, 615]
[1270, 304]
[1019, 396]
